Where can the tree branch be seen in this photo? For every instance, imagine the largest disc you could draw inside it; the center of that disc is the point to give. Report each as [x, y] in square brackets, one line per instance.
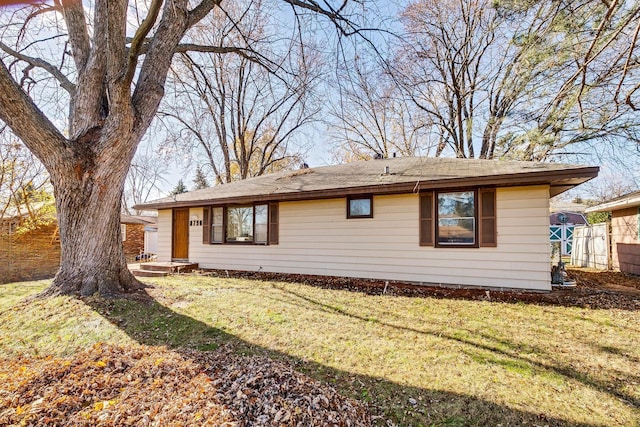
[73, 13]
[65, 83]
[202, 10]
[26, 120]
[149, 88]
[334, 16]
[139, 37]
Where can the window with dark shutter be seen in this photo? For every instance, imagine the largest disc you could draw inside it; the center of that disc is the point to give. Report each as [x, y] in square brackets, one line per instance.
[487, 213]
[206, 234]
[273, 224]
[426, 219]
[217, 224]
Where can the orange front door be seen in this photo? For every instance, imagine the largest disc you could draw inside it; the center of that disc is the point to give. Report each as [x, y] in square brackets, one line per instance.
[180, 234]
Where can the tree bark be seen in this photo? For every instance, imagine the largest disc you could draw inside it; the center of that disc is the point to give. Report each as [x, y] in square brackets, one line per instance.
[88, 200]
[92, 260]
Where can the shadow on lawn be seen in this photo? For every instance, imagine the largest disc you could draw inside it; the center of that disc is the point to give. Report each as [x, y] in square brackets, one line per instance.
[588, 295]
[148, 322]
[502, 347]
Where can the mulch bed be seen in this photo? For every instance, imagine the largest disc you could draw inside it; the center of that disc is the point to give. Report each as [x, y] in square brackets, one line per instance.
[594, 289]
[110, 385]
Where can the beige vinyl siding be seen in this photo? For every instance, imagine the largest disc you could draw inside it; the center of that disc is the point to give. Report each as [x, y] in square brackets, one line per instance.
[165, 225]
[317, 238]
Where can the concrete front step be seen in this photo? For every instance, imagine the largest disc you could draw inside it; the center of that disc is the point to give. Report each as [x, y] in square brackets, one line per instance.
[148, 273]
[168, 267]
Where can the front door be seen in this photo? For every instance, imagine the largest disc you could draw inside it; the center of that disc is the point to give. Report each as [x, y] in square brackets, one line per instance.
[180, 234]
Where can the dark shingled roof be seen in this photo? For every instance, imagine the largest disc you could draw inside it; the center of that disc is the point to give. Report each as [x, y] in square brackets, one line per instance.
[405, 175]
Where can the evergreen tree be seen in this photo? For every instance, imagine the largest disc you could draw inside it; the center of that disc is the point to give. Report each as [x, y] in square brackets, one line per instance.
[179, 189]
[200, 180]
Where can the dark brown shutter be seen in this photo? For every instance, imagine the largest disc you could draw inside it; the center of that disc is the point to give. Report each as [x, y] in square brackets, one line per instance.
[206, 225]
[426, 219]
[487, 218]
[273, 224]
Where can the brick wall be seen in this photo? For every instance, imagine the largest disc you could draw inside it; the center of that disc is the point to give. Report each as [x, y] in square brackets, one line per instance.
[134, 244]
[35, 255]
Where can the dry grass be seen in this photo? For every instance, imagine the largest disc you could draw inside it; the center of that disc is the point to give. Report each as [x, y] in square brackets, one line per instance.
[415, 361]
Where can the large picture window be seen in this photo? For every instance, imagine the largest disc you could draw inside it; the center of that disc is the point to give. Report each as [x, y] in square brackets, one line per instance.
[456, 218]
[256, 224]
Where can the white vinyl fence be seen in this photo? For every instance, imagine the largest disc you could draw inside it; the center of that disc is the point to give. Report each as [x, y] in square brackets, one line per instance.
[591, 246]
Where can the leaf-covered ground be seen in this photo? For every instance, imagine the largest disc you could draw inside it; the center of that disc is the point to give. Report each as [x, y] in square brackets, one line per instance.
[204, 350]
[111, 385]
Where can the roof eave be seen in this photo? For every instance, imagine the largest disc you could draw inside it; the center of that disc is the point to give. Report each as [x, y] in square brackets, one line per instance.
[559, 181]
[631, 202]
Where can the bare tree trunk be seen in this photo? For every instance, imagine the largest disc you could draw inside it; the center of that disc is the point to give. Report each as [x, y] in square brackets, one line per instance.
[88, 201]
[92, 259]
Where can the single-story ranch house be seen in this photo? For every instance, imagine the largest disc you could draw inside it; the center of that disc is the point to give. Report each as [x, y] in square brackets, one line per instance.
[625, 231]
[424, 220]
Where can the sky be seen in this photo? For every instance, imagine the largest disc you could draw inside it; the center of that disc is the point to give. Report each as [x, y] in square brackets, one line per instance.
[320, 152]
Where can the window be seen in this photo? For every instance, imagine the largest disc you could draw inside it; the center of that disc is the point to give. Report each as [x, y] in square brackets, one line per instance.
[123, 231]
[240, 224]
[459, 219]
[217, 225]
[256, 224]
[261, 223]
[360, 207]
[456, 218]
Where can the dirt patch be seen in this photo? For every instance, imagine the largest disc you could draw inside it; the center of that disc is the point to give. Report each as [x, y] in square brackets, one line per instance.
[606, 280]
[594, 289]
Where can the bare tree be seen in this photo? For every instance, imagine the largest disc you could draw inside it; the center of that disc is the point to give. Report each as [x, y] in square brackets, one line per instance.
[112, 68]
[145, 178]
[492, 78]
[240, 115]
[24, 183]
[372, 116]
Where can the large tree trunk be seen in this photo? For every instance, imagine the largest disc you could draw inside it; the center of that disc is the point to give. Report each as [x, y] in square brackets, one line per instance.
[92, 257]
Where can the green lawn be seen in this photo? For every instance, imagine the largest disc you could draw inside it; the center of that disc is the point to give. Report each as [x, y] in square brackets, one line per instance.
[415, 361]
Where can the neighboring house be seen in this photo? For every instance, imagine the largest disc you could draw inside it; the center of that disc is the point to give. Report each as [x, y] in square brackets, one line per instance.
[561, 225]
[36, 253]
[625, 231]
[139, 235]
[424, 220]
[27, 254]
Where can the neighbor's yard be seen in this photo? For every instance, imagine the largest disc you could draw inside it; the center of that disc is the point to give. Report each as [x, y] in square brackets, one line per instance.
[414, 361]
